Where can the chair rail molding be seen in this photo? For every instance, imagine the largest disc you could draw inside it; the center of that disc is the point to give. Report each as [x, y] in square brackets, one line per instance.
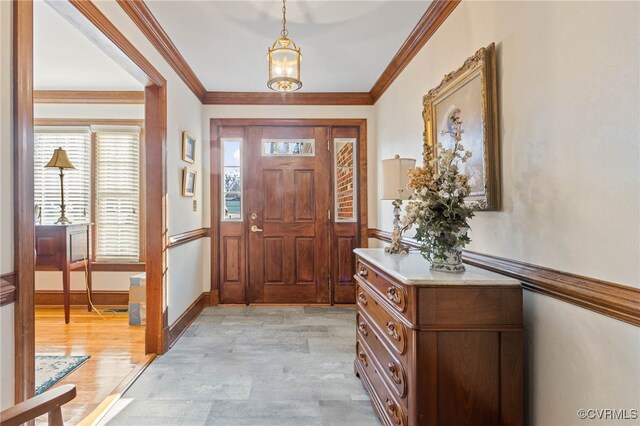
[7, 288]
[613, 300]
[187, 236]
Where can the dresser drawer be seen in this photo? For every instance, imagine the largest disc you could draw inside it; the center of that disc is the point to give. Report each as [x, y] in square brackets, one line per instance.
[392, 329]
[392, 412]
[394, 294]
[393, 369]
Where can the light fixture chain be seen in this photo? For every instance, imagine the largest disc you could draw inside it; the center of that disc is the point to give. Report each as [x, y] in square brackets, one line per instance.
[284, 31]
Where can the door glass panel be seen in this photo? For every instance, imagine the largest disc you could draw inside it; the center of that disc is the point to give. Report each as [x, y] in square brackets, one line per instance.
[288, 147]
[345, 179]
[232, 179]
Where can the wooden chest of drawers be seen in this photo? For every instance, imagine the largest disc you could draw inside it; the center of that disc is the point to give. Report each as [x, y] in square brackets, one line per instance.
[438, 348]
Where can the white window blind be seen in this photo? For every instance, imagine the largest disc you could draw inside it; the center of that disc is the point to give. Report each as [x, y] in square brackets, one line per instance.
[77, 195]
[117, 192]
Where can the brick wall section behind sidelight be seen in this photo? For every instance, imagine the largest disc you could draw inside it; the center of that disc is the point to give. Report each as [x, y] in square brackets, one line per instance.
[344, 181]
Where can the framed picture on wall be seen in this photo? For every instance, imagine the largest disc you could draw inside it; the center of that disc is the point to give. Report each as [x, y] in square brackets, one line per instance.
[189, 182]
[188, 147]
[470, 93]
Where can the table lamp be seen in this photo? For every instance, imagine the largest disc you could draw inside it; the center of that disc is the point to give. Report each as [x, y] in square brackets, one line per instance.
[394, 183]
[61, 161]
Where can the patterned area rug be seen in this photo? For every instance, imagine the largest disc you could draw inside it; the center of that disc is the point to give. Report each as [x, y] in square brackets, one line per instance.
[50, 369]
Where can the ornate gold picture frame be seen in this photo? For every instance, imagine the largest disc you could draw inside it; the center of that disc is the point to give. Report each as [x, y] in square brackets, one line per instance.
[470, 92]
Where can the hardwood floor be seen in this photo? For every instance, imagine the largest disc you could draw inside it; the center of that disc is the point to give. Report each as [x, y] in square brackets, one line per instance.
[115, 349]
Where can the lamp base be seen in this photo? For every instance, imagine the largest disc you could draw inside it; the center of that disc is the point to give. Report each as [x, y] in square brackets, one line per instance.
[396, 246]
[62, 220]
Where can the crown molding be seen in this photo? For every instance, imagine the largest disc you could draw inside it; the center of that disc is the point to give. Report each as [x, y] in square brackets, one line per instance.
[87, 97]
[435, 15]
[151, 28]
[296, 98]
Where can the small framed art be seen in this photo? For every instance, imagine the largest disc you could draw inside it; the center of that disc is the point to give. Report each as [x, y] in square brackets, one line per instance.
[189, 182]
[188, 147]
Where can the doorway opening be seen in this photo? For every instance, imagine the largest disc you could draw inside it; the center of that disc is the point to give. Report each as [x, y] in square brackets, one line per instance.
[87, 18]
[289, 205]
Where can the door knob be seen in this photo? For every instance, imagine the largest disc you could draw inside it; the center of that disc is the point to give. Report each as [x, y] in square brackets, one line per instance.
[254, 228]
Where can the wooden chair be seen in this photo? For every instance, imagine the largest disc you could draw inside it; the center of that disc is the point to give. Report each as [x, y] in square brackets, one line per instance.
[49, 402]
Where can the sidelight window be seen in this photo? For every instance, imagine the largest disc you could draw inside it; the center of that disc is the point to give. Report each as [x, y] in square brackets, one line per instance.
[232, 179]
[345, 179]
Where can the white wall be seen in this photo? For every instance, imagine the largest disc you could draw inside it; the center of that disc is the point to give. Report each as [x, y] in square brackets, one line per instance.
[569, 122]
[184, 112]
[6, 203]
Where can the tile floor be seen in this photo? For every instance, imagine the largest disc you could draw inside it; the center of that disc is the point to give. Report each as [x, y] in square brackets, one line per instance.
[254, 365]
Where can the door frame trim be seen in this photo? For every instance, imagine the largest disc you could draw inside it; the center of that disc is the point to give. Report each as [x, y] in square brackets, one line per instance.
[215, 178]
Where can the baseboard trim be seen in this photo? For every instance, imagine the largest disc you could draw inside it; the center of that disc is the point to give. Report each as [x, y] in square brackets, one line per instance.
[79, 297]
[184, 321]
[613, 300]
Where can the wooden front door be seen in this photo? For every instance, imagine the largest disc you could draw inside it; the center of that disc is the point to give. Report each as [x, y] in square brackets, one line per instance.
[287, 202]
[288, 206]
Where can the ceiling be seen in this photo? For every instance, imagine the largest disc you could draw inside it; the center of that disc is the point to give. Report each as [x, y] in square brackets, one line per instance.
[64, 59]
[346, 45]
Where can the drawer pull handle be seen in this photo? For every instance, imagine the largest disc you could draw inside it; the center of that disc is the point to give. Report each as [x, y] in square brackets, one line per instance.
[394, 373]
[363, 272]
[392, 411]
[363, 358]
[394, 295]
[363, 329]
[362, 298]
[392, 330]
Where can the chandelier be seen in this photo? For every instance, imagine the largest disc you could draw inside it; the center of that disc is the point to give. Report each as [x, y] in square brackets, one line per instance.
[284, 61]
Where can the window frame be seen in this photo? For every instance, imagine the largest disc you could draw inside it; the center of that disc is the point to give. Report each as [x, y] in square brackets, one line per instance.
[223, 193]
[354, 168]
[66, 122]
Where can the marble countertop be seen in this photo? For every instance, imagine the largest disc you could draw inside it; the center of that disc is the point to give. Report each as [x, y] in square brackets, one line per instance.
[413, 269]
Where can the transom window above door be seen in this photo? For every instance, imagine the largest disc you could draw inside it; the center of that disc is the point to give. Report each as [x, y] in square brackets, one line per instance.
[289, 147]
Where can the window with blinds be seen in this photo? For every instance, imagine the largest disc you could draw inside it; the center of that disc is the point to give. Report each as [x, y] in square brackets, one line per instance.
[117, 196]
[77, 183]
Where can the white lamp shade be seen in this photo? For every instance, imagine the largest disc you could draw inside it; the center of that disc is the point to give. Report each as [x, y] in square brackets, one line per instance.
[395, 178]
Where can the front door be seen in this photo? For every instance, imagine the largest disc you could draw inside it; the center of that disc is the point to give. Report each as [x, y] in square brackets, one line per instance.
[287, 200]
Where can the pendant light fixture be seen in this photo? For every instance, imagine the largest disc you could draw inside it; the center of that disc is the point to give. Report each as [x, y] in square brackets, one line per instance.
[284, 61]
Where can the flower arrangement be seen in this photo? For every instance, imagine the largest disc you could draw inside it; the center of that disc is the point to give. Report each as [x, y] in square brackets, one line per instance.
[436, 208]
